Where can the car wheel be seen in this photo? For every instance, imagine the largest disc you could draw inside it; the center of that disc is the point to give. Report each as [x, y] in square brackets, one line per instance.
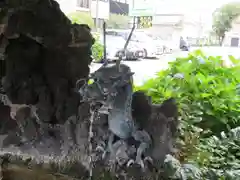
[145, 55]
[184, 48]
[138, 54]
[122, 54]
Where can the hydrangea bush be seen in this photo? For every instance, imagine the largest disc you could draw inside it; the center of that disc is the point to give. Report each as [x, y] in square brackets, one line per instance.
[207, 93]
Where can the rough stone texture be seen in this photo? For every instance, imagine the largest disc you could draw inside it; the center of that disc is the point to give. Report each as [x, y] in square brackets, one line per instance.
[160, 121]
[6, 121]
[42, 55]
[45, 54]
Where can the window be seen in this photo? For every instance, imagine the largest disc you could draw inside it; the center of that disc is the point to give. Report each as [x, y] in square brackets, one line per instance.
[83, 3]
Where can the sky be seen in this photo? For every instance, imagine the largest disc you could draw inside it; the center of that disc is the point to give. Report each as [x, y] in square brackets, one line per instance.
[203, 6]
[197, 12]
[191, 8]
[202, 10]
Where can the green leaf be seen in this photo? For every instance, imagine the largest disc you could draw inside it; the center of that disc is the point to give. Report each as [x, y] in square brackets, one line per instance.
[209, 107]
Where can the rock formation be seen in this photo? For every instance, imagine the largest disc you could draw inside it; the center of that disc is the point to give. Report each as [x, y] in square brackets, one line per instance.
[42, 55]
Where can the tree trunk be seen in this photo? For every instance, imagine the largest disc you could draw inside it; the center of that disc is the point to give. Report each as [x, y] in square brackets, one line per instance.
[221, 40]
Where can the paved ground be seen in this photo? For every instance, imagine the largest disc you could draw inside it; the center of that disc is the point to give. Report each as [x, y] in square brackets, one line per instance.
[146, 68]
[221, 51]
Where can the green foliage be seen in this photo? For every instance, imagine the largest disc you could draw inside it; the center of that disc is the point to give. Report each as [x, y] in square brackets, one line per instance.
[222, 152]
[81, 18]
[85, 18]
[97, 48]
[208, 97]
[221, 163]
[118, 21]
[205, 90]
[223, 18]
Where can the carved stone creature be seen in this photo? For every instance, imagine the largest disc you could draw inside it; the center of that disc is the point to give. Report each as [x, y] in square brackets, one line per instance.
[27, 125]
[43, 57]
[161, 124]
[112, 87]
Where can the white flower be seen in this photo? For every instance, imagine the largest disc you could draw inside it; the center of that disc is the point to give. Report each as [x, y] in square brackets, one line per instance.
[179, 76]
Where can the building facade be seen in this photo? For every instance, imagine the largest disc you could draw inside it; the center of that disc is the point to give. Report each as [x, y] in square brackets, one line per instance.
[162, 18]
[119, 7]
[232, 37]
[102, 12]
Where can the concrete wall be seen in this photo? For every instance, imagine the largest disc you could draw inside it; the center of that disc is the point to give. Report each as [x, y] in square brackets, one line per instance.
[228, 39]
[233, 33]
[103, 9]
[68, 6]
[168, 27]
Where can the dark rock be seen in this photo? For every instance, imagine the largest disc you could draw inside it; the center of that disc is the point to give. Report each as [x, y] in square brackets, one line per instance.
[7, 123]
[27, 124]
[2, 67]
[159, 120]
[169, 109]
[44, 55]
[141, 108]
[11, 139]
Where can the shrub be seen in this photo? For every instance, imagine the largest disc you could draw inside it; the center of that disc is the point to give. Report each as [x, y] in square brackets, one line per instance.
[218, 158]
[222, 152]
[85, 18]
[81, 18]
[97, 48]
[118, 21]
[208, 97]
[205, 90]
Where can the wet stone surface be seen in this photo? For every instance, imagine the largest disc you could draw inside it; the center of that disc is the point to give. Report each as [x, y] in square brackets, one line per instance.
[43, 121]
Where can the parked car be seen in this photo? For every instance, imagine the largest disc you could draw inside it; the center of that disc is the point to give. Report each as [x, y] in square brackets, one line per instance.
[161, 45]
[151, 48]
[114, 49]
[167, 45]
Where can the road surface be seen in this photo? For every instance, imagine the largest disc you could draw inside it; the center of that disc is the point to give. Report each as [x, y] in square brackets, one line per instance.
[146, 68]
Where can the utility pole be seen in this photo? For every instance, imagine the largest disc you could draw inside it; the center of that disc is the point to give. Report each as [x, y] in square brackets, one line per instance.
[97, 22]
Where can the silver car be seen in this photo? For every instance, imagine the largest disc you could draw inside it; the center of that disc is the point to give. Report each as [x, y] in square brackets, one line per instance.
[114, 48]
[142, 40]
